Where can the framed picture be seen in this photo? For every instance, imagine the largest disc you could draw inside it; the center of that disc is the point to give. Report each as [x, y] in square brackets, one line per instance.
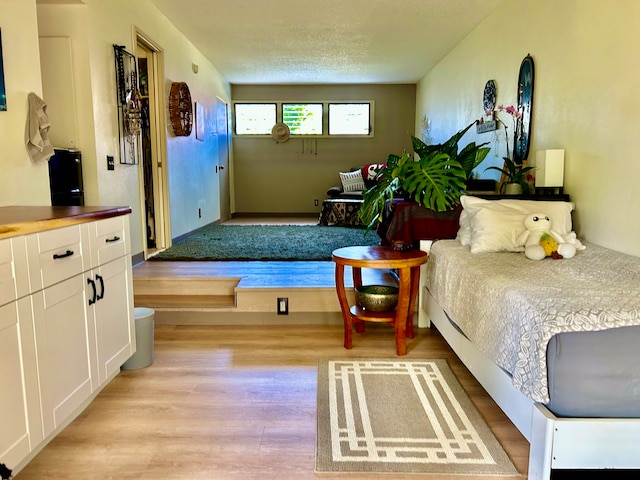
[3, 92]
[199, 122]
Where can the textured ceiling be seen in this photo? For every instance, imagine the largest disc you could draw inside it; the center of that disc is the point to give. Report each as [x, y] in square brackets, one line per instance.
[325, 41]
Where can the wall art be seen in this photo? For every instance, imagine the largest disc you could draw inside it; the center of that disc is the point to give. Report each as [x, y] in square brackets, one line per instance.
[200, 122]
[129, 106]
[525, 107]
[3, 92]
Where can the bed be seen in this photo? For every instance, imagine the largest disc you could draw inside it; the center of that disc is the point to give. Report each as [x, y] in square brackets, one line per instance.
[554, 342]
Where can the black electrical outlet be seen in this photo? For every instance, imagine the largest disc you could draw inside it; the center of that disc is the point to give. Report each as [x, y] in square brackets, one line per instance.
[110, 163]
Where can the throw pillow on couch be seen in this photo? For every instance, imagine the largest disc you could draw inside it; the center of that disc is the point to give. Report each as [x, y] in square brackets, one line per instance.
[355, 181]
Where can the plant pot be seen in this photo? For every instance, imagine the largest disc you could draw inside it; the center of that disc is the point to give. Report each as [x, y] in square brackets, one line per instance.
[512, 189]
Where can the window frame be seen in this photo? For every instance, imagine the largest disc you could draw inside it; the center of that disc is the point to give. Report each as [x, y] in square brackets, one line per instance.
[325, 117]
[252, 103]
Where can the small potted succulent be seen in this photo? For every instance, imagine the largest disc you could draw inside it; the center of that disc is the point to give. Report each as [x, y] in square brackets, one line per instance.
[515, 177]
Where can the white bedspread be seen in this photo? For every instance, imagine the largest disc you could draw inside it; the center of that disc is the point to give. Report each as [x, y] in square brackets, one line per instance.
[510, 306]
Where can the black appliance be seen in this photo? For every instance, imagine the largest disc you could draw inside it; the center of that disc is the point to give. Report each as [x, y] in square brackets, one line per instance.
[65, 178]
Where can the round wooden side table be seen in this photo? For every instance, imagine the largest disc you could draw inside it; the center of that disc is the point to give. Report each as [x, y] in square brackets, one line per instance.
[408, 266]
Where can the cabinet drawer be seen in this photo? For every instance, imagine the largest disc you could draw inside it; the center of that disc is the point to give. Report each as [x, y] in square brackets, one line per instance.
[56, 255]
[14, 277]
[108, 239]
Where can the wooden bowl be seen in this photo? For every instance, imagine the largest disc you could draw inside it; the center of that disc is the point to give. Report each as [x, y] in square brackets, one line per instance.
[377, 298]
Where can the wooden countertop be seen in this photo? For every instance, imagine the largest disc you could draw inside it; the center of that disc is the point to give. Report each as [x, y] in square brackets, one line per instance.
[23, 220]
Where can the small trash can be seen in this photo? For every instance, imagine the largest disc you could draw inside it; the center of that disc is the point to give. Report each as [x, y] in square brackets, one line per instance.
[143, 357]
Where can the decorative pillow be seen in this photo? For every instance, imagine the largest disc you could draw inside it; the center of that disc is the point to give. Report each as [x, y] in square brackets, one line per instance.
[369, 172]
[464, 232]
[352, 181]
[495, 225]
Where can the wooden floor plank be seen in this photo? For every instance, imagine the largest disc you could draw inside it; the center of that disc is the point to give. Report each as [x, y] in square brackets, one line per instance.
[232, 403]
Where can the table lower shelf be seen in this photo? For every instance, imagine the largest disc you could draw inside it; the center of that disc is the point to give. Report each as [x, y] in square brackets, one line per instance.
[369, 316]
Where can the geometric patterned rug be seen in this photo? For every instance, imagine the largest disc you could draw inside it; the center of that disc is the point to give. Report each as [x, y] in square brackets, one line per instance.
[387, 415]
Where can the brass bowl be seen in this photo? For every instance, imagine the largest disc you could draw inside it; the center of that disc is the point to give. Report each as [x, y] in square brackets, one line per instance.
[377, 298]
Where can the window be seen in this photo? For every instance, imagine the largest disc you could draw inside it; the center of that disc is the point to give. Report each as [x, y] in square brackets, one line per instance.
[349, 118]
[318, 119]
[255, 118]
[303, 118]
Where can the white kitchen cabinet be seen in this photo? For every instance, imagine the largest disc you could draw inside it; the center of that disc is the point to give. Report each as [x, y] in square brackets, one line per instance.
[115, 338]
[62, 333]
[19, 397]
[66, 322]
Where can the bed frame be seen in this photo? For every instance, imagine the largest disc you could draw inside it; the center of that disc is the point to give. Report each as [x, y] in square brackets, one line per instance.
[555, 442]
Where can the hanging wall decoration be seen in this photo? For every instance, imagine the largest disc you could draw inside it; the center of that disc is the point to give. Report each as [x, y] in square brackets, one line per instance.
[3, 93]
[525, 107]
[180, 109]
[129, 105]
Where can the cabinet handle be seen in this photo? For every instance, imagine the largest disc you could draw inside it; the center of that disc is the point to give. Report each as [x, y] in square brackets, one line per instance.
[111, 240]
[93, 286]
[57, 256]
[101, 296]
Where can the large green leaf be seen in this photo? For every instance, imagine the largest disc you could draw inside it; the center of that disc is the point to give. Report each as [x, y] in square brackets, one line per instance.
[375, 201]
[471, 156]
[435, 181]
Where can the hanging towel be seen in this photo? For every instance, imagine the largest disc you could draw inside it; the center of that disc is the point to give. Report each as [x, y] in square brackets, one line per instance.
[36, 132]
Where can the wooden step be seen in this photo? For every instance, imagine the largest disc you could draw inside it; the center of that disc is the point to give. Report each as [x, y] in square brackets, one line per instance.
[184, 292]
[243, 287]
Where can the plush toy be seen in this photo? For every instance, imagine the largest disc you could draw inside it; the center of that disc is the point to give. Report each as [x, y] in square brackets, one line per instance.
[540, 241]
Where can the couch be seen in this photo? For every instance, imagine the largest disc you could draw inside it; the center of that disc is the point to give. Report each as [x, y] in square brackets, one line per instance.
[353, 182]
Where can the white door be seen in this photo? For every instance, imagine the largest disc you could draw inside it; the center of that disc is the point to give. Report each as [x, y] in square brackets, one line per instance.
[222, 129]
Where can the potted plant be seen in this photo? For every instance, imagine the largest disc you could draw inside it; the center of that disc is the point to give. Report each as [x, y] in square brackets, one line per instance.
[434, 176]
[515, 179]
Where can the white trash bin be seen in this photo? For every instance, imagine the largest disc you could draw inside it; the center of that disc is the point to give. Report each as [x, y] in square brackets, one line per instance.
[143, 357]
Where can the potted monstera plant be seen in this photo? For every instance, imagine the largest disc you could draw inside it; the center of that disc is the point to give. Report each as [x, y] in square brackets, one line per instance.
[434, 176]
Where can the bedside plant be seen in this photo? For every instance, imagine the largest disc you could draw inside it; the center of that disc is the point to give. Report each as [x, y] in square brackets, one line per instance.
[435, 179]
[514, 175]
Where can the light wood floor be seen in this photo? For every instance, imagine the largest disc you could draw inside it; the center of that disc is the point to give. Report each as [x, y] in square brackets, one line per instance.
[232, 403]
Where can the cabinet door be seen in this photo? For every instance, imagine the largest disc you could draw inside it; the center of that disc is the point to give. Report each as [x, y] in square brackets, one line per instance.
[113, 316]
[14, 440]
[62, 334]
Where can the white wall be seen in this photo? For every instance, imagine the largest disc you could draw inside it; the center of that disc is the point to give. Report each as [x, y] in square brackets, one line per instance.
[587, 69]
[21, 181]
[94, 28]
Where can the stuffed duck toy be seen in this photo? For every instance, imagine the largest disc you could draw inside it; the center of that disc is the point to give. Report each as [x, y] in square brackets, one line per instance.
[540, 241]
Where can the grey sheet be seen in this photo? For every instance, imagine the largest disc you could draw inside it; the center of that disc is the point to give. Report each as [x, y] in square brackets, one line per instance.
[595, 374]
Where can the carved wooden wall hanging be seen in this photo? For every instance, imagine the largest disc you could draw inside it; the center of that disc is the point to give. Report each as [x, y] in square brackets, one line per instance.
[180, 109]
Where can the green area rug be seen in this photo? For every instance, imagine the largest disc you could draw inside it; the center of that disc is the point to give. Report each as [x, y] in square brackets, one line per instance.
[266, 242]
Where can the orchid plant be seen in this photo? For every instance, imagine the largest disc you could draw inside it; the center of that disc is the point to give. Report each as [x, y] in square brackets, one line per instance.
[515, 115]
[512, 173]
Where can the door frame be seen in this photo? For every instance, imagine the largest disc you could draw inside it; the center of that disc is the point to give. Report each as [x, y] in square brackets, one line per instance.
[158, 148]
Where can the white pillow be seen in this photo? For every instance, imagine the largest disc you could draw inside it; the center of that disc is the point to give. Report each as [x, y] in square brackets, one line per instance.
[352, 181]
[495, 225]
[464, 232]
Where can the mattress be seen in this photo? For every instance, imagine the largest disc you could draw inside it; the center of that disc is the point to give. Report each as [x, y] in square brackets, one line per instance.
[558, 327]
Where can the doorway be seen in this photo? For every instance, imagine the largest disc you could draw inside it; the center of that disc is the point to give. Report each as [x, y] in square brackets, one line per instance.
[152, 174]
